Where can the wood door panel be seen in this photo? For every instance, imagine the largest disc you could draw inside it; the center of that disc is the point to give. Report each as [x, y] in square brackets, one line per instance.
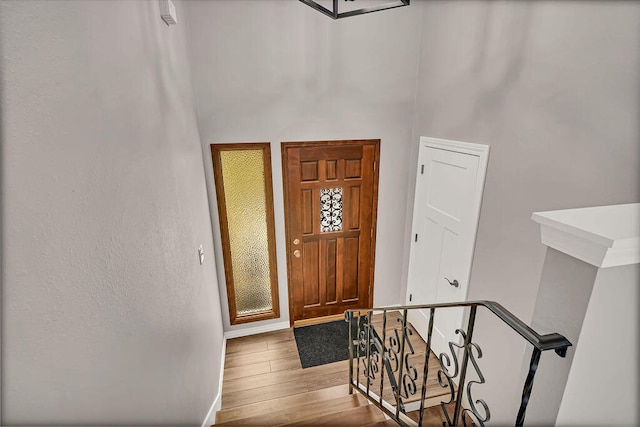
[330, 211]
[310, 279]
[350, 281]
[330, 269]
[354, 208]
[333, 152]
[307, 211]
[332, 170]
[352, 168]
[309, 171]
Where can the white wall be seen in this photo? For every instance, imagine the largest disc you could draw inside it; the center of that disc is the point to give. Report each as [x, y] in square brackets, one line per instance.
[602, 388]
[108, 318]
[563, 296]
[277, 71]
[553, 88]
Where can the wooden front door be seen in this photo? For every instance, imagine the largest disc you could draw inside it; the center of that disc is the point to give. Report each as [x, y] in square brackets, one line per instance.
[331, 197]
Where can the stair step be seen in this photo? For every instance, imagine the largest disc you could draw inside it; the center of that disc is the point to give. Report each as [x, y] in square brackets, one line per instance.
[432, 416]
[385, 423]
[359, 416]
[282, 415]
[267, 406]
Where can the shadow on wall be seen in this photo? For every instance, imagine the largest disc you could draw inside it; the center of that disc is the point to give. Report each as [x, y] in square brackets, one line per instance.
[497, 58]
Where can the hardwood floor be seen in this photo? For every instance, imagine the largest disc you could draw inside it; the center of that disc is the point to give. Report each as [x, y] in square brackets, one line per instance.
[264, 384]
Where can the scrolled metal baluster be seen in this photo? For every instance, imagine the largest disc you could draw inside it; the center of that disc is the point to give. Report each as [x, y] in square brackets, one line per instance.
[399, 404]
[362, 339]
[348, 317]
[528, 386]
[369, 373]
[394, 349]
[392, 356]
[362, 345]
[445, 363]
[425, 373]
[384, 351]
[358, 351]
[409, 380]
[375, 366]
[411, 375]
[472, 411]
[465, 361]
[371, 368]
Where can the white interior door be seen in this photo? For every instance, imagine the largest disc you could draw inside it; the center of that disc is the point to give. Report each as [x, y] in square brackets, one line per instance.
[448, 194]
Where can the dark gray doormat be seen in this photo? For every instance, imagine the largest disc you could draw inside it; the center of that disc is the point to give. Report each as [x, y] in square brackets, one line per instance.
[322, 343]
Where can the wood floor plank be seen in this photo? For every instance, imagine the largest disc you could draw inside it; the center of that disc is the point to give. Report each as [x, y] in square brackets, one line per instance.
[279, 377]
[246, 347]
[231, 374]
[286, 344]
[385, 423]
[351, 417]
[264, 407]
[286, 364]
[241, 358]
[301, 412]
[273, 336]
[289, 388]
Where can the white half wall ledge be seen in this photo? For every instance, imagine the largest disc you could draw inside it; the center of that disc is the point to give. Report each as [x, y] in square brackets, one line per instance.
[603, 236]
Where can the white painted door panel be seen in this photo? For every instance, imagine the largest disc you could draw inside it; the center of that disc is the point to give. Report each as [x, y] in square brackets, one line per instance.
[446, 208]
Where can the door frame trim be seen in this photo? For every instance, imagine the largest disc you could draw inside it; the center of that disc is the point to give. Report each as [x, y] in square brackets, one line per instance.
[374, 212]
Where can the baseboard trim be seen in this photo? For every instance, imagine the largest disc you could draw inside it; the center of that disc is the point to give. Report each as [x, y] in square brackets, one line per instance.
[210, 418]
[256, 330]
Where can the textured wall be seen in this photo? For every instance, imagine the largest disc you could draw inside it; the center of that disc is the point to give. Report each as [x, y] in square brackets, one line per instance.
[553, 87]
[279, 71]
[108, 317]
[563, 296]
[610, 332]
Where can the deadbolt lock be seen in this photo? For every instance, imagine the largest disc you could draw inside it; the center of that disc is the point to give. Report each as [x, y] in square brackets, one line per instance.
[296, 253]
[296, 241]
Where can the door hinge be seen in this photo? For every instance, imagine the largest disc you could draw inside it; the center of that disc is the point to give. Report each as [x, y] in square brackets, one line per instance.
[374, 165]
[421, 169]
[410, 297]
[416, 238]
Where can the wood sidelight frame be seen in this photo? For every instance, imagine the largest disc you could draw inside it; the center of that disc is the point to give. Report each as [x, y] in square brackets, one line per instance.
[373, 145]
[265, 147]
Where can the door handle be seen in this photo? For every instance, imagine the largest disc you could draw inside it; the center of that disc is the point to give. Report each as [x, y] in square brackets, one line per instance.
[296, 253]
[455, 283]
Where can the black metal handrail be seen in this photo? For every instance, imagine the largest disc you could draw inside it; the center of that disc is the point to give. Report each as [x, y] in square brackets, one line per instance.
[400, 348]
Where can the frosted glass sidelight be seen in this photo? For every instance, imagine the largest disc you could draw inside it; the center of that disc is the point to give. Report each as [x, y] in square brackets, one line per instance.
[243, 177]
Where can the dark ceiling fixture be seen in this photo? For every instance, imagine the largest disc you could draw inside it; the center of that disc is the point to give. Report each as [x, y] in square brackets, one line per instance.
[336, 14]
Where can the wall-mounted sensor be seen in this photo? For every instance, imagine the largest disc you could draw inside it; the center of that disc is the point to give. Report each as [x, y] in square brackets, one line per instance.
[201, 254]
[168, 12]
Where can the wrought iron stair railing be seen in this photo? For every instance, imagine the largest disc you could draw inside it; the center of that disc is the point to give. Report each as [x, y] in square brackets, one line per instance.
[394, 352]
